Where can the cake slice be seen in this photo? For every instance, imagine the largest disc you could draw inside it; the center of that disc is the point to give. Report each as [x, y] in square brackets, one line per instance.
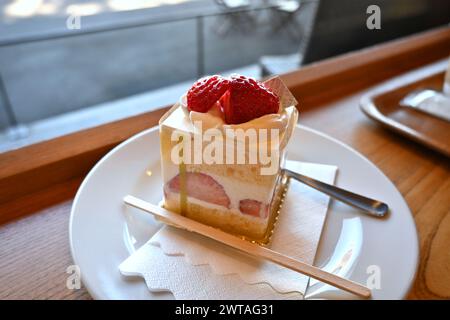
[221, 150]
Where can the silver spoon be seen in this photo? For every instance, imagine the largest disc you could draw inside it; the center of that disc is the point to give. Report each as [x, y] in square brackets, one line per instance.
[373, 207]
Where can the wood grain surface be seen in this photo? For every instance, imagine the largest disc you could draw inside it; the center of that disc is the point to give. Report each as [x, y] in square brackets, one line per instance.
[34, 250]
[35, 255]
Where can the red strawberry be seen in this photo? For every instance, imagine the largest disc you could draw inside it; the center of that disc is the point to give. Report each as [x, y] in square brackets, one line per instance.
[205, 92]
[202, 187]
[253, 207]
[246, 100]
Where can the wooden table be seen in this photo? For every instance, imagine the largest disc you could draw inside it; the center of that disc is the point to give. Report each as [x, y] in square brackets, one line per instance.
[37, 183]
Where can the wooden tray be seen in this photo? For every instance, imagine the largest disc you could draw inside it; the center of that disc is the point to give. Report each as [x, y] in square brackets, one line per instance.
[382, 105]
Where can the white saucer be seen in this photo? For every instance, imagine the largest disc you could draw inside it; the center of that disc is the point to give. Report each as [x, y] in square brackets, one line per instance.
[103, 232]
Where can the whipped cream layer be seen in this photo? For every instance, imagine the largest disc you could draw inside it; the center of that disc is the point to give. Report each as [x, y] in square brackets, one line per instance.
[284, 120]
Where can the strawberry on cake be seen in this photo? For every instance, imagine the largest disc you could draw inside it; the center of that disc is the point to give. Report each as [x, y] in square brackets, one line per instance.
[221, 150]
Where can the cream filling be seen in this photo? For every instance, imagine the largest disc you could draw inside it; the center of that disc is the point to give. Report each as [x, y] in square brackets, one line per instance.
[237, 191]
[214, 118]
[212, 206]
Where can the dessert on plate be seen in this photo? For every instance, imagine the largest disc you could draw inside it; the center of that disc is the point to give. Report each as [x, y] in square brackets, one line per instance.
[222, 146]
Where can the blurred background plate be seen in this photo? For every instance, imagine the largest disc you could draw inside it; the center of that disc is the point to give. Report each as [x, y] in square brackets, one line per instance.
[382, 104]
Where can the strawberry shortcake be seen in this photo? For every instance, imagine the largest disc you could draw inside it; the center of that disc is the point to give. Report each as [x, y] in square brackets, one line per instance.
[222, 146]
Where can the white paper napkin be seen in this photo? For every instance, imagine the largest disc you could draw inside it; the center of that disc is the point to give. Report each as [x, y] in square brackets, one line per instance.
[194, 267]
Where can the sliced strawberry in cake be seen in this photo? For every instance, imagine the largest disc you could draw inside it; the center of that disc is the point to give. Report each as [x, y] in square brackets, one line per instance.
[253, 208]
[202, 187]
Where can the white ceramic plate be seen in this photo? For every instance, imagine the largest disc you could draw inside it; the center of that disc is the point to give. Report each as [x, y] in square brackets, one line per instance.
[103, 232]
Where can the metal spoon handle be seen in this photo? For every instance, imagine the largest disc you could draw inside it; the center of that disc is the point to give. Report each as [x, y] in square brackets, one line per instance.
[370, 206]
